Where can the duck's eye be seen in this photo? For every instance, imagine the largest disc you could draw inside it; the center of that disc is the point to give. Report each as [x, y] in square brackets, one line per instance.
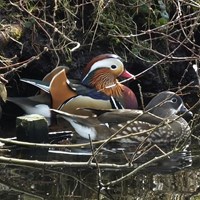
[174, 100]
[113, 66]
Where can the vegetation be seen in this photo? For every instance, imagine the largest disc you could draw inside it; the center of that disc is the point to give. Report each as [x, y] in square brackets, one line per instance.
[158, 33]
[158, 39]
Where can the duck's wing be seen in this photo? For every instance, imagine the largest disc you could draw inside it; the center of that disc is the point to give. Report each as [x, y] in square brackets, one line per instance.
[127, 115]
[33, 100]
[39, 104]
[60, 90]
[37, 83]
[87, 127]
[77, 105]
[55, 71]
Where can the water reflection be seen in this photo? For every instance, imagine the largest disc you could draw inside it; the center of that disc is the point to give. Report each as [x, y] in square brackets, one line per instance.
[70, 183]
[176, 177]
[171, 178]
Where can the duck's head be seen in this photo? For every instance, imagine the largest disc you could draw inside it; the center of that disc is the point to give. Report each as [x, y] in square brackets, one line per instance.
[102, 73]
[166, 104]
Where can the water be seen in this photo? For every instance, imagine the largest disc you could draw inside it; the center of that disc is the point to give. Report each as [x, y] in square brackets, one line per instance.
[64, 173]
[177, 177]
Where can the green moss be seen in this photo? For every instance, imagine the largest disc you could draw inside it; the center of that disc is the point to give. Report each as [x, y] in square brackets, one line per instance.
[2, 4]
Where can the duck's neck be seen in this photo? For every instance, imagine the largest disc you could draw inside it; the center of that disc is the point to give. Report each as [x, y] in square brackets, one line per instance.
[113, 89]
[104, 82]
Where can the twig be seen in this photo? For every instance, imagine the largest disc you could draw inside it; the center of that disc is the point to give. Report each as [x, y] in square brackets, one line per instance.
[25, 63]
[141, 96]
[97, 164]
[141, 167]
[37, 19]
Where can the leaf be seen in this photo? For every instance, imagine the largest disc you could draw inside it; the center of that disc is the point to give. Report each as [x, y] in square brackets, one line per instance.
[162, 21]
[3, 92]
[16, 31]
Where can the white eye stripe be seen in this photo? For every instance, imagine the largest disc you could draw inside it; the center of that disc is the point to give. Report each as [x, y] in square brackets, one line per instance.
[106, 63]
[174, 100]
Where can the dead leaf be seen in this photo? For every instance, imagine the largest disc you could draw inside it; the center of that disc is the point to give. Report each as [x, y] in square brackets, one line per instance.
[3, 92]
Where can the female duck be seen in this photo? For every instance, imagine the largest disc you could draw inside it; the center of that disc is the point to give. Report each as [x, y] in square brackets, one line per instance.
[159, 123]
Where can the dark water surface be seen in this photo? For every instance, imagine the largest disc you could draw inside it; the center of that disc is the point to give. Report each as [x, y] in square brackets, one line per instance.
[176, 177]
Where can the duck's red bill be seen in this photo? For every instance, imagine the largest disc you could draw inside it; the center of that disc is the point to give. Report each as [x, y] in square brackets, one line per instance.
[127, 74]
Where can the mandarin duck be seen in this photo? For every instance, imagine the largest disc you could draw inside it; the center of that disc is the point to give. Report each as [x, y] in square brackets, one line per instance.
[39, 104]
[158, 123]
[99, 88]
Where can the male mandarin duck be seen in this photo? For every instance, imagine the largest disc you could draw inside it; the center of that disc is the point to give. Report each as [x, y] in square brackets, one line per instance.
[99, 88]
[158, 123]
[39, 104]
